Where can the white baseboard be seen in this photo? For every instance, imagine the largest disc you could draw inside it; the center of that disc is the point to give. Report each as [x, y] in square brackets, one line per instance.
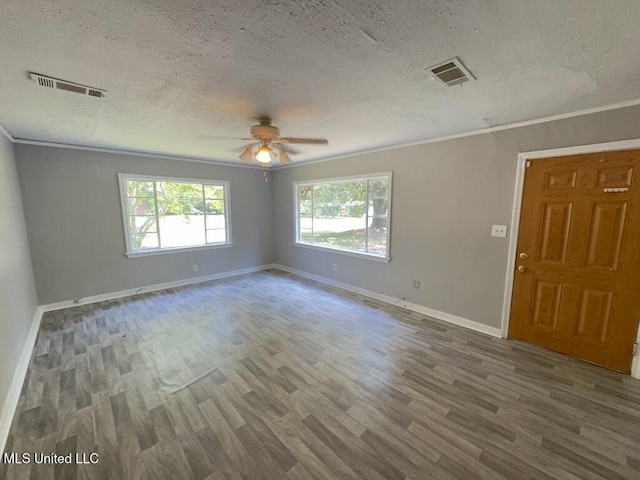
[152, 288]
[11, 402]
[13, 395]
[430, 312]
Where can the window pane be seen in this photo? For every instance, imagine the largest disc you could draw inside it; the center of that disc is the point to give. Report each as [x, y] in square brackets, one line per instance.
[139, 188]
[181, 230]
[378, 198]
[378, 188]
[306, 223]
[306, 235]
[304, 197]
[144, 241]
[214, 191]
[347, 215]
[171, 214]
[215, 221]
[340, 236]
[216, 236]
[214, 206]
[179, 198]
[142, 206]
[142, 224]
[180, 207]
[339, 216]
[377, 241]
[378, 207]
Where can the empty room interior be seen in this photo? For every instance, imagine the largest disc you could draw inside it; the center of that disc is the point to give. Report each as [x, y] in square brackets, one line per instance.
[319, 240]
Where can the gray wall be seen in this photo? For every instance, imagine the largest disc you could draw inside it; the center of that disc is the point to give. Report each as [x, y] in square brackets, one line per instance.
[17, 290]
[446, 196]
[74, 219]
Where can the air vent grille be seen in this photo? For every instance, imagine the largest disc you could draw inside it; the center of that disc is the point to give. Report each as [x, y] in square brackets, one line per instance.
[451, 72]
[46, 82]
[50, 82]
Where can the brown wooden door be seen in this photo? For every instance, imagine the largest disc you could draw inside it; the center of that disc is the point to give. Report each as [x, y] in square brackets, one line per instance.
[579, 247]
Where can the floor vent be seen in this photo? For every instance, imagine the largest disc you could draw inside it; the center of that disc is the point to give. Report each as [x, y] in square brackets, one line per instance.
[50, 82]
[452, 72]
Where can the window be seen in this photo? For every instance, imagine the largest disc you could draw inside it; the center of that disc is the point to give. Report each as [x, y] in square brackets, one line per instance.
[351, 214]
[165, 214]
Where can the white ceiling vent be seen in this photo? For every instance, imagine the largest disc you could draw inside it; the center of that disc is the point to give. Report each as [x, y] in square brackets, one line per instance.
[51, 82]
[452, 72]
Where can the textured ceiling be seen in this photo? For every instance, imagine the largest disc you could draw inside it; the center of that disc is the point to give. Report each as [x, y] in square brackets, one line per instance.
[353, 71]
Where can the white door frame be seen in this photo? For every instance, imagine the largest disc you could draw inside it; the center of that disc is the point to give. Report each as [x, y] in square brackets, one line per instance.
[523, 158]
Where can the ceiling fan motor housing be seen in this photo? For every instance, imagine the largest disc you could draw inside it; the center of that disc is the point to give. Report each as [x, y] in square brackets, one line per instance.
[268, 146]
[265, 131]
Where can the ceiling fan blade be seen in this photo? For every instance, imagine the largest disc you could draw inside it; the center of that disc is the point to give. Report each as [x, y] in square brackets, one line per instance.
[247, 155]
[289, 150]
[310, 141]
[215, 137]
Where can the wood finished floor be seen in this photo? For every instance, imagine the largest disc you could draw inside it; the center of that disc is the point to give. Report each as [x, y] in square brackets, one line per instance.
[271, 376]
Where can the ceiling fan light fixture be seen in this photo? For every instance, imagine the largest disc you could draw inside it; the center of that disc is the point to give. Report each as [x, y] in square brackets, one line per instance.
[284, 158]
[247, 155]
[267, 144]
[264, 155]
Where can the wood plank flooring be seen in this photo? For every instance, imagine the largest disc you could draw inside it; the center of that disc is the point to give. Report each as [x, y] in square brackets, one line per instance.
[270, 376]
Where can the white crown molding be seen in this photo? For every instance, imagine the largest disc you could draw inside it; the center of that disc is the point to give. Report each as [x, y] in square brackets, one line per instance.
[7, 134]
[471, 133]
[507, 126]
[138, 153]
[414, 307]
[8, 409]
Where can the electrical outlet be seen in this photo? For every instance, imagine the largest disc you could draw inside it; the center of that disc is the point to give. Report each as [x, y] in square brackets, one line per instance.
[335, 267]
[416, 284]
[499, 231]
[195, 268]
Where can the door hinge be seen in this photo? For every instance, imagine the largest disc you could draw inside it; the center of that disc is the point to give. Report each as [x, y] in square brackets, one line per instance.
[528, 164]
[635, 348]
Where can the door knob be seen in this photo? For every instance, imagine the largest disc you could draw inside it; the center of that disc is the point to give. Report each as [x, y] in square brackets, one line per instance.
[521, 268]
[524, 255]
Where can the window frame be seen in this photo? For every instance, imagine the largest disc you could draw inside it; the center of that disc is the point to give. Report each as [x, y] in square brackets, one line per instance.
[362, 177]
[130, 253]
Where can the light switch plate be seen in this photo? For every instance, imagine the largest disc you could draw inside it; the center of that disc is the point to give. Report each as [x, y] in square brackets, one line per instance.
[499, 231]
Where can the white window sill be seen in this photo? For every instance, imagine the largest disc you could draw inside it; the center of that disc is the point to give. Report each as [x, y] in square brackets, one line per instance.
[365, 256]
[163, 251]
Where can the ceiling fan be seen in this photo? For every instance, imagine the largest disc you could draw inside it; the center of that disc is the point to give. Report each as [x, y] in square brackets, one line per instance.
[270, 146]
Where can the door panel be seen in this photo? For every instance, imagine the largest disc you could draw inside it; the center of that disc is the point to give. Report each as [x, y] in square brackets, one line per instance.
[577, 277]
[604, 240]
[554, 239]
[595, 311]
[558, 180]
[546, 305]
[614, 177]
